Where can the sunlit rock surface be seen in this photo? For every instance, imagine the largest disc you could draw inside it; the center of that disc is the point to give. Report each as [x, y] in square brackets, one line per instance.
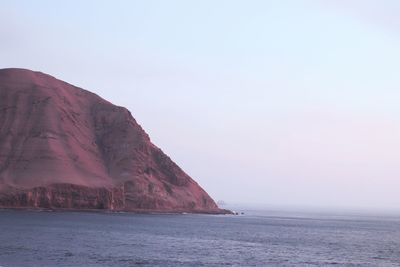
[62, 147]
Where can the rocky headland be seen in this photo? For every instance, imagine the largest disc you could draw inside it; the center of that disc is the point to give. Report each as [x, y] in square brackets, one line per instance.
[62, 147]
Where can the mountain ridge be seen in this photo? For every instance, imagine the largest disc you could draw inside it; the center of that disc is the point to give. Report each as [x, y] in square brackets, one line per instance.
[63, 147]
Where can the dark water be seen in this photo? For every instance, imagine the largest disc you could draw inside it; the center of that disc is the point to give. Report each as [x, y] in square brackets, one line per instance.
[30, 238]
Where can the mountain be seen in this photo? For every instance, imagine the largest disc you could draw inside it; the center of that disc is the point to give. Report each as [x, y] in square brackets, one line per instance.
[62, 147]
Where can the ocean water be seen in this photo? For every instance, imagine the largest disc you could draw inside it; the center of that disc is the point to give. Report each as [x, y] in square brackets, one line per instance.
[31, 238]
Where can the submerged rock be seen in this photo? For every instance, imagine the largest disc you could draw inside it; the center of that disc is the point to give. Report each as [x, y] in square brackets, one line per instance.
[62, 147]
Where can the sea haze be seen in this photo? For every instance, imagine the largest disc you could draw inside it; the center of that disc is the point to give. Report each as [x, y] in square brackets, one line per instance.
[32, 238]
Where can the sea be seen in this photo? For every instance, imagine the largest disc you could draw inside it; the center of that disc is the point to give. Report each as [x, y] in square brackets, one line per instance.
[255, 238]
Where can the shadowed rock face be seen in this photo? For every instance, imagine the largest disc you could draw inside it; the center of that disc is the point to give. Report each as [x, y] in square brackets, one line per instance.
[64, 147]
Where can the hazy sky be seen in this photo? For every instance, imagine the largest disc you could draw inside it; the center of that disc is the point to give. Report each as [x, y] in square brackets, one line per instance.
[270, 102]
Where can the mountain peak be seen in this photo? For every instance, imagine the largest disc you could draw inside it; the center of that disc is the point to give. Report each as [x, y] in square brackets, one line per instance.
[64, 147]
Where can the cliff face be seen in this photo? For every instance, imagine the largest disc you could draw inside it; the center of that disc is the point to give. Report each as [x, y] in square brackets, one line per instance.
[64, 147]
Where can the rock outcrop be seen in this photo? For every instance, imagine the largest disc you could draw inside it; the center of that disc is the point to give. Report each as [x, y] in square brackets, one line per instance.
[62, 147]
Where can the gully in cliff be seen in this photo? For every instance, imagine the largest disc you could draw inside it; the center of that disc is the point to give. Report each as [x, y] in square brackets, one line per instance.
[63, 147]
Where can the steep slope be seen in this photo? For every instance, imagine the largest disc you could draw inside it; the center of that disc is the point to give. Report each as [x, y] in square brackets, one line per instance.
[64, 147]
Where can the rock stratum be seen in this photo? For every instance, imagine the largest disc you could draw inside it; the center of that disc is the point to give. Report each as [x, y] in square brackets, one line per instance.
[62, 147]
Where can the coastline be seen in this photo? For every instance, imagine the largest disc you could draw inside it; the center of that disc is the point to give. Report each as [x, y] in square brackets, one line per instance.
[135, 211]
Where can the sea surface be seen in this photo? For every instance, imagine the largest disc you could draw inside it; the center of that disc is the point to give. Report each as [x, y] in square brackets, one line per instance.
[32, 238]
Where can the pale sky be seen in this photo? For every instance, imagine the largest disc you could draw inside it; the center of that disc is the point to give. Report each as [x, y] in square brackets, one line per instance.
[285, 103]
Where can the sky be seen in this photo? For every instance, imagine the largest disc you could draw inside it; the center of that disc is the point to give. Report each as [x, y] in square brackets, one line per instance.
[276, 103]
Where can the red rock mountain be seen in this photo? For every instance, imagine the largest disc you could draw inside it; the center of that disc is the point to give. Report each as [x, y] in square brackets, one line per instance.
[63, 147]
